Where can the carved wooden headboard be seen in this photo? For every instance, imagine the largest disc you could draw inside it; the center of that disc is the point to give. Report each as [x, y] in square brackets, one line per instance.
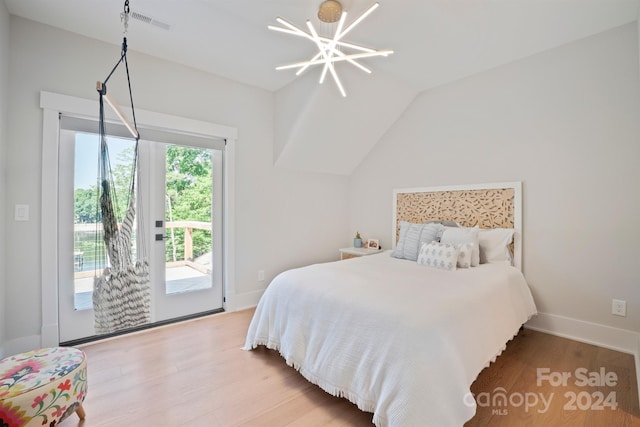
[487, 206]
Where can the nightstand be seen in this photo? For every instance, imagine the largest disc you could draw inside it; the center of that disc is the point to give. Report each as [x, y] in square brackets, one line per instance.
[346, 253]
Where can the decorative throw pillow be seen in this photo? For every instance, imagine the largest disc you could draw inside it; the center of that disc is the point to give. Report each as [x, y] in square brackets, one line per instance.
[398, 251]
[439, 255]
[464, 256]
[494, 245]
[431, 232]
[407, 246]
[412, 236]
[412, 240]
[459, 235]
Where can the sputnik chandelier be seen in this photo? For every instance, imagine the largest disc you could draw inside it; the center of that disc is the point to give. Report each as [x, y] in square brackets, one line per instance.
[330, 49]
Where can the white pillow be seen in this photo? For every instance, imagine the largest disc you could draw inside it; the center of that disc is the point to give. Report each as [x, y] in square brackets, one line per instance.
[460, 235]
[439, 255]
[494, 245]
[464, 255]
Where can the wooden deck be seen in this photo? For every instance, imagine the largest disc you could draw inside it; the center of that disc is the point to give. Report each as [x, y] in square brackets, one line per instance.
[179, 278]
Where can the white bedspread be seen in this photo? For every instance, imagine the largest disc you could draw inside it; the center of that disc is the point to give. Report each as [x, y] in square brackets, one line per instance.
[398, 339]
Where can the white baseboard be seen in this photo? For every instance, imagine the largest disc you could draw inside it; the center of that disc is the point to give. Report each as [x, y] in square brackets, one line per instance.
[20, 345]
[236, 302]
[617, 339]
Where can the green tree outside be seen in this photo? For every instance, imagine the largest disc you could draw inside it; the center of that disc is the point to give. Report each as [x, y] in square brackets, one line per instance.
[188, 196]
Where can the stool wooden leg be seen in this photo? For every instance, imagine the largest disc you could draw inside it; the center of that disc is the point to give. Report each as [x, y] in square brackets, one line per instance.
[80, 412]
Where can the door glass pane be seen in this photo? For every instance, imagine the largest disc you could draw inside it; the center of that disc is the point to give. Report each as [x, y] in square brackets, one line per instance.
[89, 257]
[188, 237]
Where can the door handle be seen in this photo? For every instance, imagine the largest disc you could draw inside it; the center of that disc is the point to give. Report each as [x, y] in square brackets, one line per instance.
[159, 237]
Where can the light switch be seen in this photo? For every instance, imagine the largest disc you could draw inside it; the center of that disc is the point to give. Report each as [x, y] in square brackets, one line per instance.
[22, 213]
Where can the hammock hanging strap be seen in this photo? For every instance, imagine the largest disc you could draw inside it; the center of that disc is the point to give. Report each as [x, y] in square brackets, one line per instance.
[121, 293]
[108, 196]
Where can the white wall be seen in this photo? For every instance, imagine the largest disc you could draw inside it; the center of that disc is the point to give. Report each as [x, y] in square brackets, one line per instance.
[283, 219]
[566, 123]
[313, 122]
[4, 108]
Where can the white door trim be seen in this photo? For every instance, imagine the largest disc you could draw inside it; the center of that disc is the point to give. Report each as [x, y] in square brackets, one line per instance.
[53, 105]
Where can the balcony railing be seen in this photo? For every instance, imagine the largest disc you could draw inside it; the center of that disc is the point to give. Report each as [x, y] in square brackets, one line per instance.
[188, 227]
[182, 275]
[80, 261]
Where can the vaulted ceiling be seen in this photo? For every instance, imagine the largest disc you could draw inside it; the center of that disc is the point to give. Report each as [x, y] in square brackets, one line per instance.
[434, 41]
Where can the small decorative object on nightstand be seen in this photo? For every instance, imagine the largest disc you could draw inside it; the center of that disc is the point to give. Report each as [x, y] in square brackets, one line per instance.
[346, 253]
[373, 244]
[357, 242]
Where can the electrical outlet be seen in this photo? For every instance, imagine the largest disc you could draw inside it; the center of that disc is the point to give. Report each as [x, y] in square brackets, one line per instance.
[619, 307]
[260, 275]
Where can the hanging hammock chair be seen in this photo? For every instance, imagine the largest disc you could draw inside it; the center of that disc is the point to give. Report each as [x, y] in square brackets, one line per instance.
[121, 296]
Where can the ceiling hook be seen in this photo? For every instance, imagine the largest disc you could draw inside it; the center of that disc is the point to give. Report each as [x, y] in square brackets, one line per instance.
[124, 17]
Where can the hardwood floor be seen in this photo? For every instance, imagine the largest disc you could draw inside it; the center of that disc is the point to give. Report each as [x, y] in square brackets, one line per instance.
[571, 402]
[195, 374]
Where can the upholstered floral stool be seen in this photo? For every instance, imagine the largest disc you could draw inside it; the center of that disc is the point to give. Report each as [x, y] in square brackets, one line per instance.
[42, 387]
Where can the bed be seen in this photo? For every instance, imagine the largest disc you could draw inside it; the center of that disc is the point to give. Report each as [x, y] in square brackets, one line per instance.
[399, 339]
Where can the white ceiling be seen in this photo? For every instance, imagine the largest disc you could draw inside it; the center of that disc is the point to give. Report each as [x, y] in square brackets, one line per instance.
[435, 41]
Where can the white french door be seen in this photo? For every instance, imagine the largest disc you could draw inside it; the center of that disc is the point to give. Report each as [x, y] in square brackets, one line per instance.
[179, 229]
[185, 228]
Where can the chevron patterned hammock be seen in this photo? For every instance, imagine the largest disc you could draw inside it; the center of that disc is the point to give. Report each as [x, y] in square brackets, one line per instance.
[121, 297]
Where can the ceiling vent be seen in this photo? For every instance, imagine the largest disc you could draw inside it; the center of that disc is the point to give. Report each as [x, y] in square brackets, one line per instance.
[142, 17]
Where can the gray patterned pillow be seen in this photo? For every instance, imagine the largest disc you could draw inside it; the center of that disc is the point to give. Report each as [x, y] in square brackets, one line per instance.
[439, 255]
[398, 251]
[412, 236]
[431, 232]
